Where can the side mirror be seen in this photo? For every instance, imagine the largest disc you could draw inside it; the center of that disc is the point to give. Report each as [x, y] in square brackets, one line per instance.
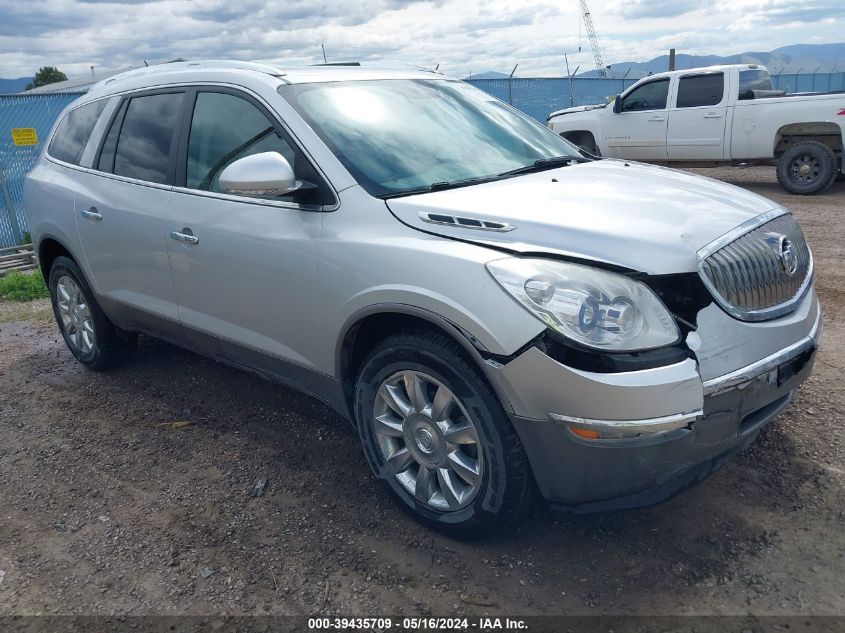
[264, 174]
[617, 104]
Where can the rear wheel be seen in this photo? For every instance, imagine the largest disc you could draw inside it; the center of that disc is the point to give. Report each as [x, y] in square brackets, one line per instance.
[807, 168]
[89, 334]
[435, 434]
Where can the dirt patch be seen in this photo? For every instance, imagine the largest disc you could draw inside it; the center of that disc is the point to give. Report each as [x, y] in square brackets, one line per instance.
[130, 492]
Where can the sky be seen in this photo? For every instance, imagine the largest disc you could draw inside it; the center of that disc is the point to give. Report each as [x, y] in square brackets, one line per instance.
[461, 36]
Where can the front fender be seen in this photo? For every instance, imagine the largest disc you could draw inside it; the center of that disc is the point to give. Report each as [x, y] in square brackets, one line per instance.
[482, 331]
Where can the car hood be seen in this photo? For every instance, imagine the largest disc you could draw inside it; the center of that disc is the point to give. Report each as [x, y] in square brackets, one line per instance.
[576, 109]
[640, 217]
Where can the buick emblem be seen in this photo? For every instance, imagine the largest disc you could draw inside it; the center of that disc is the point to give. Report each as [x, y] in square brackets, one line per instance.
[788, 256]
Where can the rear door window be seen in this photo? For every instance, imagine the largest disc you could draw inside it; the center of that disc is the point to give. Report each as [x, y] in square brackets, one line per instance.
[701, 90]
[106, 160]
[73, 132]
[146, 136]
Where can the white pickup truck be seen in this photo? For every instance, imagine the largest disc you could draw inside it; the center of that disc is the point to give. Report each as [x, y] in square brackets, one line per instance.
[715, 116]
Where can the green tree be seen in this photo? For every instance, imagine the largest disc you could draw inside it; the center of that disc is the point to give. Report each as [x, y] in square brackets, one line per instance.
[46, 75]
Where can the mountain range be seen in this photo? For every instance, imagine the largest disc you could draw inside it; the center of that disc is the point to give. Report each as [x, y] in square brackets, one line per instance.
[14, 85]
[804, 58]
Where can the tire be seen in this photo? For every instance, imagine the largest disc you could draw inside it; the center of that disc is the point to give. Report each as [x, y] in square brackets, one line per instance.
[807, 168]
[89, 334]
[487, 444]
[584, 142]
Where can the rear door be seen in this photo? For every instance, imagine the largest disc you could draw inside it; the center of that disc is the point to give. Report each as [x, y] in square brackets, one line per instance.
[697, 118]
[121, 211]
[638, 132]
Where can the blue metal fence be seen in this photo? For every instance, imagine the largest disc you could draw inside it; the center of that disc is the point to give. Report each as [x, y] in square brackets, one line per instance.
[817, 82]
[536, 97]
[539, 97]
[22, 111]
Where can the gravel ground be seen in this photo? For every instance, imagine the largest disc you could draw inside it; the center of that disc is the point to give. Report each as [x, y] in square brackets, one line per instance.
[129, 492]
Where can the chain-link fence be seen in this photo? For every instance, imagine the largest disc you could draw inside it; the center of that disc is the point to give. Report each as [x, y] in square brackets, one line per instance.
[25, 121]
[21, 114]
[539, 97]
[809, 82]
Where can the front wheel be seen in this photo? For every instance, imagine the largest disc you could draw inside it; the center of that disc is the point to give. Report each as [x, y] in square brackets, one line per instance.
[435, 433]
[89, 334]
[807, 168]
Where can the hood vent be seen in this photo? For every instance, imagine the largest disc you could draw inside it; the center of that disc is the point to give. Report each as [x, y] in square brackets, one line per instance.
[465, 223]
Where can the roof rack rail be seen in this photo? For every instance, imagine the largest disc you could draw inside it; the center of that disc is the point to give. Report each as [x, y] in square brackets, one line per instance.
[173, 66]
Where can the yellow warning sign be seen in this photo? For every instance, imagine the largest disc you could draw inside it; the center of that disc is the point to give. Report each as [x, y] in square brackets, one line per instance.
[24, 136]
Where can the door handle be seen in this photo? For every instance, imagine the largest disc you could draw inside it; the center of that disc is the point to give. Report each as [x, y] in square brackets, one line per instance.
[657, 118]
[91, 214]
[712, 115]
[185, 236]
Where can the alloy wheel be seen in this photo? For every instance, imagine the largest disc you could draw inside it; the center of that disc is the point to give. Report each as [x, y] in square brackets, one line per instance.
[428, 441]
[805, 169]
[75, 314]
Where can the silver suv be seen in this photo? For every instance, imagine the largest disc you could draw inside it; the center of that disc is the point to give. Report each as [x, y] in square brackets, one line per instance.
[498, 314]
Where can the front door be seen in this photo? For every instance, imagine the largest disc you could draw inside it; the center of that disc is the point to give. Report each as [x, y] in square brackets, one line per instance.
[121, 214]
[638, 132]
[697, 119]
[246, 276]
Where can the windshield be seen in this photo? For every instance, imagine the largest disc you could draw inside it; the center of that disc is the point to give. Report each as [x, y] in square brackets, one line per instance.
[397, 136]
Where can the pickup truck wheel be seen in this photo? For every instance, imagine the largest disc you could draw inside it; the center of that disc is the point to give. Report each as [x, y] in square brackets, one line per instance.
[436, 435]
[89, 334]
[807, 168]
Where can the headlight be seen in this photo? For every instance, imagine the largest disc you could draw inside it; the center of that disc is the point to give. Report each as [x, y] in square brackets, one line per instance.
[589, 306]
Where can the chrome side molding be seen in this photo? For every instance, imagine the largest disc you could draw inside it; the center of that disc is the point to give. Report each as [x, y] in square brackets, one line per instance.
[620, 429]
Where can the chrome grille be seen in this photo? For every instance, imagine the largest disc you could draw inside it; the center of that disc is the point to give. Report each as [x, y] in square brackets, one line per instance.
[753, 277]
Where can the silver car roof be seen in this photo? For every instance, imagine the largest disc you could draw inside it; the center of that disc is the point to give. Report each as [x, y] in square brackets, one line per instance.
[205, 70]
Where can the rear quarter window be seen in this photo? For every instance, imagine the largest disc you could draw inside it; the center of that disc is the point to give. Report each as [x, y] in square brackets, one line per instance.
[73, 132]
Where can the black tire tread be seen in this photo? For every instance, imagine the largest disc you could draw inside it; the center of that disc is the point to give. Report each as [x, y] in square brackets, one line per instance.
[114, 347]
[831, 164]
[520, 476]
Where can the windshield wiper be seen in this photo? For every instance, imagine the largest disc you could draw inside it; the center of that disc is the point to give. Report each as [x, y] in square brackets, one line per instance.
[545, 163]
[537, 165]
[440, 185]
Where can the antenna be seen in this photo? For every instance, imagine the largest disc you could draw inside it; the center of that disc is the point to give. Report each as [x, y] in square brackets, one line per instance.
[598, 54]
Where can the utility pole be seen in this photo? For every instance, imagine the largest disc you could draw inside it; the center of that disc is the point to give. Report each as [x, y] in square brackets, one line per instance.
[671, 59]
[324, 53]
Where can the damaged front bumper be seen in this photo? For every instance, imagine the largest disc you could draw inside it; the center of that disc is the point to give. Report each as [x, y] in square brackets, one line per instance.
[609, 440]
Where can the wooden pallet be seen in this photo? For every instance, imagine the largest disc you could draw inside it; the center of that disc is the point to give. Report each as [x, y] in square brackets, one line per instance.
[17, 258]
